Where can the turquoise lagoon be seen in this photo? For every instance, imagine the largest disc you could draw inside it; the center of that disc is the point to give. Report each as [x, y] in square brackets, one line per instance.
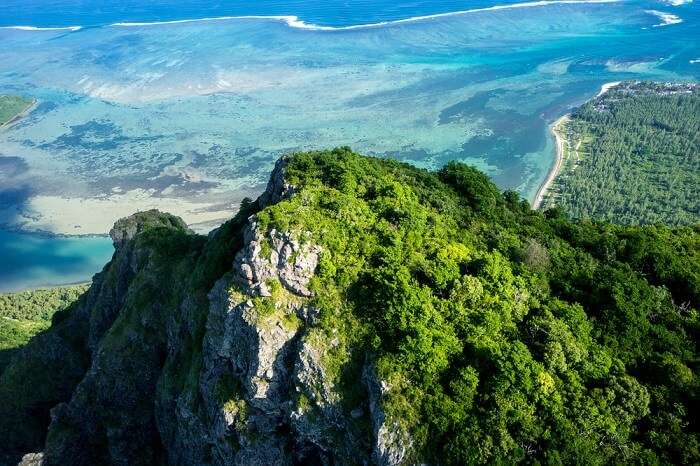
[35, 261]
[189, 116]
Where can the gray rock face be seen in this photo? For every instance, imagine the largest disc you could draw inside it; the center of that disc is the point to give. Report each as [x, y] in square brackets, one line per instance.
[256, 345]
[32, 459]
[277, 186]
[238, 374]
[391, 444]
[250, 343]
[289, 262]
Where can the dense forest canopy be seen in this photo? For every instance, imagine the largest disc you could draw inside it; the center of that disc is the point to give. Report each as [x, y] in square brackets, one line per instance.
[639, 156]
[26, 313]
[513, 335]
[502, 334]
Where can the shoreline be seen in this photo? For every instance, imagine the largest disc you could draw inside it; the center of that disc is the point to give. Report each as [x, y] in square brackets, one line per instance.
[48, 287]
[606, 87]
[556, 167]
[559, 154]
[27, 110]
[47, 234]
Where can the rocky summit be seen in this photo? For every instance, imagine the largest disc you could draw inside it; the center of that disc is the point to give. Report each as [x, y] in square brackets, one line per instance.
[362, 311]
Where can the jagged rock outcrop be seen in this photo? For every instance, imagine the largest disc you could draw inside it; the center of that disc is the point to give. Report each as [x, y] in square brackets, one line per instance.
[192, 350]
[392, 444]
[290, 262]
[277, 186]
[32, 459]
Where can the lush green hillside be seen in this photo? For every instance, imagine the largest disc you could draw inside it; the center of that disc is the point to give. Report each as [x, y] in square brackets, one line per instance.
[374, 313]
[24, 314]
[11, 106]
[636, 156]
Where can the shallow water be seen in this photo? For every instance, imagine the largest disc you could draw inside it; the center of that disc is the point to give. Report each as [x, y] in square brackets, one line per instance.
[190, 116]
[33, 261]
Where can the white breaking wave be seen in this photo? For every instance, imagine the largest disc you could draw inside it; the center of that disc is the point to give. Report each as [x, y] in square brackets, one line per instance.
[676, 2]
[33, 28]
[295, 22]
[697, 60]
[666, 18]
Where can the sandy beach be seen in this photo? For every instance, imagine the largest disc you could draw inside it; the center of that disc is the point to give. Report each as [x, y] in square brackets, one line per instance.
[75, 216]
[607, 86]
[554, 171]
[560, 140]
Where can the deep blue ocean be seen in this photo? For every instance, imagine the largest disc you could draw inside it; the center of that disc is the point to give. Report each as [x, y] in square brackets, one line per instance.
[184, 106]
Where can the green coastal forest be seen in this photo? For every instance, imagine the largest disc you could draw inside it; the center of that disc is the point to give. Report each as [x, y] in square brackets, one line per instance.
[501, 334]
[639, 157]
[26, 313]
[11, 106]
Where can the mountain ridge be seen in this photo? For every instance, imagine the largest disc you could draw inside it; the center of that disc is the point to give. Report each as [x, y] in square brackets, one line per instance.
[365, 311]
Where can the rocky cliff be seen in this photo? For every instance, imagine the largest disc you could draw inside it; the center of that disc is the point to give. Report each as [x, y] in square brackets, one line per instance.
[158, 365]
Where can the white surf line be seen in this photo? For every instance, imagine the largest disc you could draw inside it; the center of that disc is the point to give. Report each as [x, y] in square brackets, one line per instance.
[666, 18]
[295, 22]
[34, 28]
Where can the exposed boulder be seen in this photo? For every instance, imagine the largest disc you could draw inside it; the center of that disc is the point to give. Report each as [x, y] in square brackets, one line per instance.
[32, 459]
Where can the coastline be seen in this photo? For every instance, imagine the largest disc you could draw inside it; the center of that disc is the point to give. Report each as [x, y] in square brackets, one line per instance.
[556, 167]
[559, 155]
[48, 287]
[607, 86]
[28, 109]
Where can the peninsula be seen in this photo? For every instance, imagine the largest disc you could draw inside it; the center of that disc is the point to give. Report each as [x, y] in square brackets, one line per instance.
[13, 108]
[563, 148]
[629, 155]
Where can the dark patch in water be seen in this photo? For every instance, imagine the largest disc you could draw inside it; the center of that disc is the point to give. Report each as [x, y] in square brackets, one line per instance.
[44, 107]
[14, 196]
[95, 135]
[12, 166]
[512, 134]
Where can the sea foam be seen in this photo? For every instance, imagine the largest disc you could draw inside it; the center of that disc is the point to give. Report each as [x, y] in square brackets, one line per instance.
[666, 18]
[676, 2]
[295, 22]
[33, 28]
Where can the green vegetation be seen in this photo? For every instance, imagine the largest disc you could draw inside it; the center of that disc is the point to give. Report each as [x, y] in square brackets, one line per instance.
[633, 156]
[11, 106]
[24, 314]
[500, 334]
[505, 334]
[39, 305]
